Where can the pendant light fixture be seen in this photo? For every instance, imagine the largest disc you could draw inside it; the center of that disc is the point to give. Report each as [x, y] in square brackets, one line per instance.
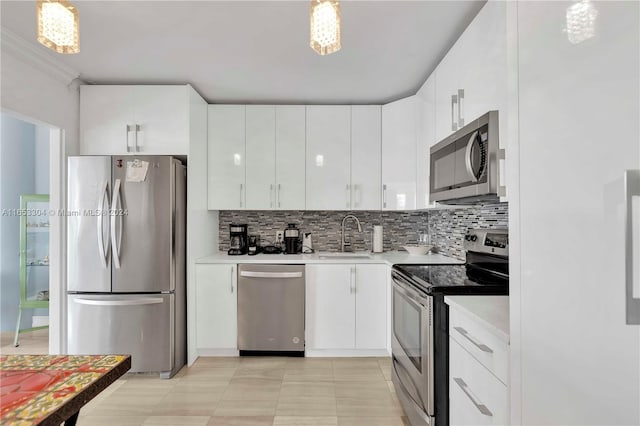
[325, 26]
[58, 26]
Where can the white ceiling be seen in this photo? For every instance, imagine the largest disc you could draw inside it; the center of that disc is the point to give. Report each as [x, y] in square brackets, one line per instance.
[258, 51]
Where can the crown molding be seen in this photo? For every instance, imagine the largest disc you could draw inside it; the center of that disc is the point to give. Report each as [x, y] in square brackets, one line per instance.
[26, 51]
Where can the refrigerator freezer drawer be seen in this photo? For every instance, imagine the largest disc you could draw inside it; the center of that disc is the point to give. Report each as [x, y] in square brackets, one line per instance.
[139, 325]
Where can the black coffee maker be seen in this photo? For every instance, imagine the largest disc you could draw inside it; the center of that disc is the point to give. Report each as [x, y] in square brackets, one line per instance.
[238, 239]
[291, 239]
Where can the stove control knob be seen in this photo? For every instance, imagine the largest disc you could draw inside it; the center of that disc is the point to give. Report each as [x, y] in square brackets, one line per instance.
[467, 237]
[474, 237]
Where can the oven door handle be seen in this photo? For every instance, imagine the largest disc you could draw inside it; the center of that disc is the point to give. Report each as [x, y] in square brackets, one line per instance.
[418, 408]
[411, 294]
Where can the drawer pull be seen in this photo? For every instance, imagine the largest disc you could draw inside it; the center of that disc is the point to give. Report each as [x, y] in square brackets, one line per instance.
[479, 405]
[466, 335]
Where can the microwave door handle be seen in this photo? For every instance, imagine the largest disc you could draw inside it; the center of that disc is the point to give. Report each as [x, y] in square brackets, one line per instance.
[467, 157]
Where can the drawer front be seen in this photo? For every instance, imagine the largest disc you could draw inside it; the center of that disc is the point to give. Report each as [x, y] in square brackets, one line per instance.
[476, 397]
[487, 348]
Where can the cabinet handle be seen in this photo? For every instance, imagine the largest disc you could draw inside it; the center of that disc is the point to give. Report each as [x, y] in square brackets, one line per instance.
[460, 108]
[384, 196]
[502, 173]
[479, 405]
[241, 189]
[454, 121]
[231, 271]
[466, 335]
[271, 195]
[348, 196]
[631, 191]
[279, 188]
[352, 281]
[127, 137]
[135, 140]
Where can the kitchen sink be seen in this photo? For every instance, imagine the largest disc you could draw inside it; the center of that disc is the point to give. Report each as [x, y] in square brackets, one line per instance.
[343, 256]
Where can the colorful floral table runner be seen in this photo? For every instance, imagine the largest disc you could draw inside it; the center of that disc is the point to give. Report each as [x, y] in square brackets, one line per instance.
[49, 389]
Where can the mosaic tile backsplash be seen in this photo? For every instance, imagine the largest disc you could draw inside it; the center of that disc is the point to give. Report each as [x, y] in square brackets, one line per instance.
[399, 227]
[446, 227]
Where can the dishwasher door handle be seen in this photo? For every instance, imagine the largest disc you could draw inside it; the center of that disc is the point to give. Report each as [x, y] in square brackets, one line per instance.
[254, 274]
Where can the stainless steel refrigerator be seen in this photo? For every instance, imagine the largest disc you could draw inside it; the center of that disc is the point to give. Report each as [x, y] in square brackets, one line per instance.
[126, 260]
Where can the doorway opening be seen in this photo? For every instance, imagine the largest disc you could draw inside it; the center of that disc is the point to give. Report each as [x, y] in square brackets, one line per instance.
[30, 230]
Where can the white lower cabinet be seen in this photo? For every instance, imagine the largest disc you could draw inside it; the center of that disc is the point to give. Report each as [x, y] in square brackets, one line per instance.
[346, 308]
[478, 378]
[216, 309]
[476, 397]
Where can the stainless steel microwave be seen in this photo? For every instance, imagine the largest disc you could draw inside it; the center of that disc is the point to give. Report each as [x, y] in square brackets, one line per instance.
[465, 165]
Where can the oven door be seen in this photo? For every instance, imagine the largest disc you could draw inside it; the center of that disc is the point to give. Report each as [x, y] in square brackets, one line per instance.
[412, 350]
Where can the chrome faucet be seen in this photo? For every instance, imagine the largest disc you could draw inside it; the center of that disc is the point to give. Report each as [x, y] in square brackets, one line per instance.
[345, 244]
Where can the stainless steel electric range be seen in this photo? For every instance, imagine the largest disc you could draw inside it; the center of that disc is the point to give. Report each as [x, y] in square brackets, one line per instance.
[420, 320]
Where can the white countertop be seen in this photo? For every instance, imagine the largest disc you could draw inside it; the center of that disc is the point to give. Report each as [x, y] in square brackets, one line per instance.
[491, 311]
[389, 258]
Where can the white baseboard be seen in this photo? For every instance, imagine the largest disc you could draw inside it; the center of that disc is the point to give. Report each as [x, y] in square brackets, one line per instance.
[39, 320]
[218, 352]
[338, 353]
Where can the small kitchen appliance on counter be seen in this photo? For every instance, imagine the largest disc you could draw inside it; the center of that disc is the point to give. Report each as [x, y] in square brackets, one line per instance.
[254, 245]
[307, 243]
[237, 239]
[420, 320]
[291, 239]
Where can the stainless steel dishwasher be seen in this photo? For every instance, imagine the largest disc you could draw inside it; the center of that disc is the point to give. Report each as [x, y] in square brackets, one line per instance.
[271, 309]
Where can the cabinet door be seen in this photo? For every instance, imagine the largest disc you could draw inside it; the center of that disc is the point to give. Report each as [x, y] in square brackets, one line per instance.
[330, 306]
[447, 84]
[216, 307]
[398, 154]
[328, 160]
[484, 48]
[162, 116]
[105, 112]
[425, 140]
[261, 156]
[226, 157]
[290, 157]
[371, 306]
[366, 140]
[591, 85]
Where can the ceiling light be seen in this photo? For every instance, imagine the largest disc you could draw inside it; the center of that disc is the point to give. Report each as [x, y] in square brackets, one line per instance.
[581, 21]
[325, 26]
[58, 26]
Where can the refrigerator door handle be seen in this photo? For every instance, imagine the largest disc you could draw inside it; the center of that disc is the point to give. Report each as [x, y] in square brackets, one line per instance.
[104, 252]
[124, 302]
[115, 202]
[632, 190]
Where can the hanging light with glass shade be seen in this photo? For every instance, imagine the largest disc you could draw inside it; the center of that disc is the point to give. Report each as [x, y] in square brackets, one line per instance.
[58, 26]
[325, 26]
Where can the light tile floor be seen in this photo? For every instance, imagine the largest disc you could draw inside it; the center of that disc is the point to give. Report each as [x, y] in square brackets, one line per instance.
[32, 343]
[255, 391]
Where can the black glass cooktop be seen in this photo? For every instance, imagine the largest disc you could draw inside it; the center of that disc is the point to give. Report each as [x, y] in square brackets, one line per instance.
[454, 279]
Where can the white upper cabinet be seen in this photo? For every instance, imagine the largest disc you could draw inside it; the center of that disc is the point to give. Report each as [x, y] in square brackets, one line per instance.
[425, 140]
[471, 80]
[290, 157]
[130, 120]
[261, 156]
[226, 152]
[399, 133]
[328, 159]
[366, 152]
